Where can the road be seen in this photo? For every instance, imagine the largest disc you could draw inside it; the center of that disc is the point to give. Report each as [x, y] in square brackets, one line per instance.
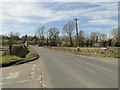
[57, 69]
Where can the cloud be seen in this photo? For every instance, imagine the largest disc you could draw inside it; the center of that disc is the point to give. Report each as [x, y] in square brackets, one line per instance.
[104, 14]
[25, 9]
[59, 0]
[22, 11]
[56, 5]
[42, 13]
[106, 30]
[103, 22]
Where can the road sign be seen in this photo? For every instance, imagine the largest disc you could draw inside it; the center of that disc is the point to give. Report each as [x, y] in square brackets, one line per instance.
[96, 44]
[103, 48]
[26, 43]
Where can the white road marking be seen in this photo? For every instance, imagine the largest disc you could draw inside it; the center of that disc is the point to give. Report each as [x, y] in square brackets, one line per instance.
[24, 81]
[95, 65]
[102, 68]
[80, 55]
[32, 69]
[43, 85]
[40, 82]
[32, 73]
[84, 67]
[34, 65]
[32, 76]
[13, 75]
[87, 69]
[18, 82]
[99, 67]
[40, 78]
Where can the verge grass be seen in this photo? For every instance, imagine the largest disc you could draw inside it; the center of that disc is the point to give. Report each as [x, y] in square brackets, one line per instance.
[91, 51]
[7, 59]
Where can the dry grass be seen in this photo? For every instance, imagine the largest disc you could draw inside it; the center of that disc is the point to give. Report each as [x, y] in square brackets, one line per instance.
[91, 51]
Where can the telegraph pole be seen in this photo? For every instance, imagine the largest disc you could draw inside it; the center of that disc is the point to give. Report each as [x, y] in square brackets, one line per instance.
[77, 34]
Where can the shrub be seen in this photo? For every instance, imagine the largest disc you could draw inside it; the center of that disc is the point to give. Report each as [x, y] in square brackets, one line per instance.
[19, 50]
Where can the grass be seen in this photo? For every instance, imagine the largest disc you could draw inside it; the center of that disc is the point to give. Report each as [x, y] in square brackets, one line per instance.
[91, 51]
[7, 59]
[33, 54]
[1, 50]
[5, 46]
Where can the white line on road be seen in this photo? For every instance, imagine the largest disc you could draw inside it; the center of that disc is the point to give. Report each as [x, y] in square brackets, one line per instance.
[40, 78]
[32, 77]
[42, 83]
[18, 82]
[12, 75]
[103, 68]
[32, 73]
[32, 69]
[24, 81]
[93, 64]
[87, 69]
[99, 67]
[34, 65]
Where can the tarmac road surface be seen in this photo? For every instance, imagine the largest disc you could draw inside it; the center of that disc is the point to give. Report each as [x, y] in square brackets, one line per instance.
[57, 69]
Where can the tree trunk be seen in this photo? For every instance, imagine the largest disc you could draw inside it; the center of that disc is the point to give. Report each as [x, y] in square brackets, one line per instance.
[71, 41]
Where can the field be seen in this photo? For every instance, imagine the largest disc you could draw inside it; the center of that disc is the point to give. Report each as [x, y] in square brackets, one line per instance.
[91, 51]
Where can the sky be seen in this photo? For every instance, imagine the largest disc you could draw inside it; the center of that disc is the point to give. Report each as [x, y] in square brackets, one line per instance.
[27, 17]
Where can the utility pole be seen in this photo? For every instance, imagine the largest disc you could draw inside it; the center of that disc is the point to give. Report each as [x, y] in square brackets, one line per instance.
[77, 35]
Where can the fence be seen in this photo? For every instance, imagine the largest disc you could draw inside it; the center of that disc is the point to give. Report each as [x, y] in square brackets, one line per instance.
[4, 49]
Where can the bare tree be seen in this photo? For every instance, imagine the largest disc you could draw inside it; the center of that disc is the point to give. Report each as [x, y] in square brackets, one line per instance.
[13, 38]
[114, 33]
[68, 29]
[103, 37]
[10, 35]
[53, 36]
[95, 36]
[81, 38]
[40, 32]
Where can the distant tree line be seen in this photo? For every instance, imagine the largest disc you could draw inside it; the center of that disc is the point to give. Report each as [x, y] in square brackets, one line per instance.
[67, 37]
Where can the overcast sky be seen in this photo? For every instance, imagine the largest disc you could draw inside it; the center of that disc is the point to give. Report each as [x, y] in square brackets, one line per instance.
[26, 17]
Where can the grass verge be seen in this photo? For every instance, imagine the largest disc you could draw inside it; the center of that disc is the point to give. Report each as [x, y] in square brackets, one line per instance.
[110, 52]
[8, 60]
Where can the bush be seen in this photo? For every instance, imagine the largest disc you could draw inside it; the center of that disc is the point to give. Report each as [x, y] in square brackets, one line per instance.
[19, 50]
[8, 60]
